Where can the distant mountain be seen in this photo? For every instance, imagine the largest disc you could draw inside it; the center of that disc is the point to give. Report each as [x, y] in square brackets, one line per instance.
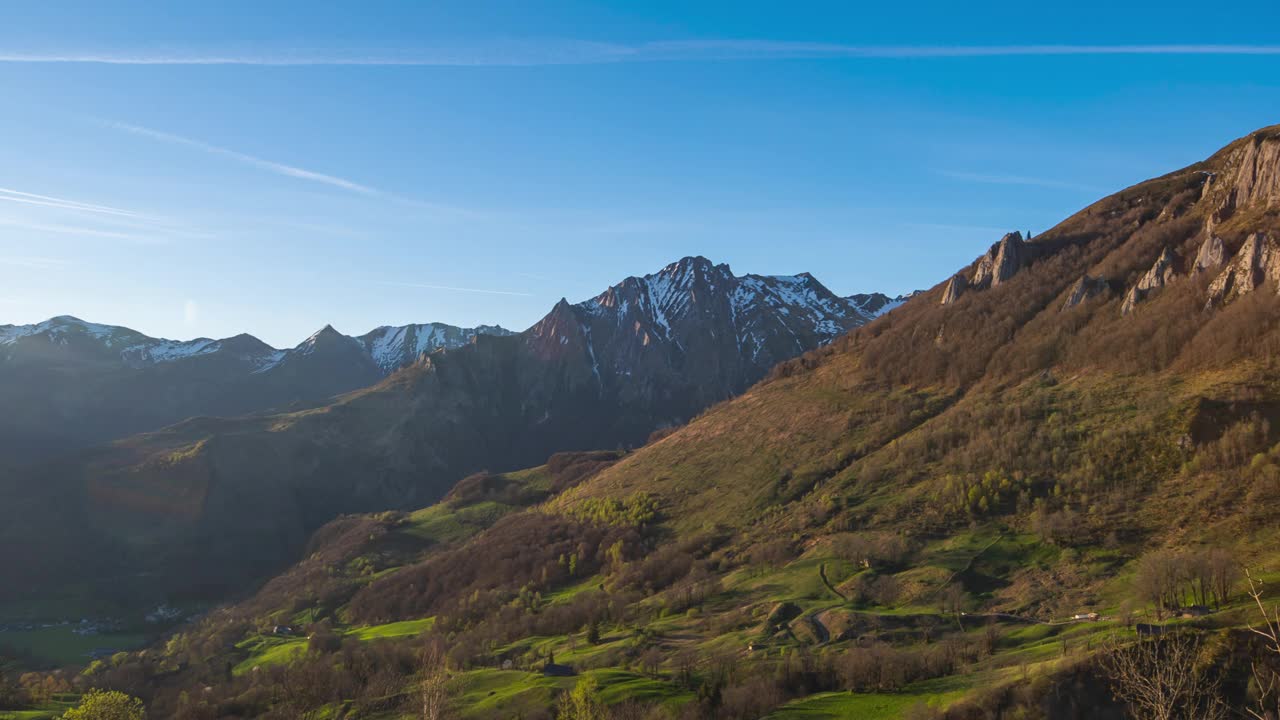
[68, 383]
[1074, 427]
[877, 304]
[209, 502]
[393, 347]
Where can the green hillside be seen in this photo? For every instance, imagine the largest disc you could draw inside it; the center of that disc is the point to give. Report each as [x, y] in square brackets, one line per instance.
[981, 507]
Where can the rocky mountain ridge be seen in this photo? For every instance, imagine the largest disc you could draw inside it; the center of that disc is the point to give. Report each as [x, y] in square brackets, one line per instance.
[71, 383]
[210, 502]
[390, 347]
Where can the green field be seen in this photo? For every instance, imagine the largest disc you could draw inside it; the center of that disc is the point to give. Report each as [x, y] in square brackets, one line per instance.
[59, 644]
[273, 650]
[868, 706]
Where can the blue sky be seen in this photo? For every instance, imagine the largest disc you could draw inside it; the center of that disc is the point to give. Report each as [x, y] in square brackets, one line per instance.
[215, 168]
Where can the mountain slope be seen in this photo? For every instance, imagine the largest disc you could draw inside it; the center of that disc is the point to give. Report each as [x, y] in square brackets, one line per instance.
[1020, 446]
[951, 511]
[209, 502]
[1196, 359]
[70, 383]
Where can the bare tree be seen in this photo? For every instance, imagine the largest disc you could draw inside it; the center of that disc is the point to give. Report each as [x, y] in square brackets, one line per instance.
[1224, 572]
[1164, 679]
[1266, 670]
[953, 599]
[1159, 579]
[435, 679]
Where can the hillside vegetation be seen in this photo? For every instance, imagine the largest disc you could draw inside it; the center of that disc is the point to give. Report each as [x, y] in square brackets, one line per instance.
[984, 507]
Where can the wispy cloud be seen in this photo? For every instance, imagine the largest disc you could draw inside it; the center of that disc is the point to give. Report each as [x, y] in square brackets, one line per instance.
[34, 263]
[77, 230]
[999, 179]
[26, 198]
[456, 289]
[438, 209]
[579, 52]
[268, 165]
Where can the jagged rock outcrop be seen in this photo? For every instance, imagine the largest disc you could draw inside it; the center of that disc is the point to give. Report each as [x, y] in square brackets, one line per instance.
[1160, 274]
[955, 287]
[1257, 180]
[1212, 253]
[1207, 187]
[1257, 175]
[1257, 262]
[1001, 262]
[1086, 287]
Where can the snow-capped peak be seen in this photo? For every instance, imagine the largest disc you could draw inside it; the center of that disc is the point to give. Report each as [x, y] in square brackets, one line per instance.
[393, 347]
[390, 347]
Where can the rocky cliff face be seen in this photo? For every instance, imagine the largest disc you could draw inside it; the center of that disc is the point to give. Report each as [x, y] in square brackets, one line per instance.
[1001, 262]
[1161, 273]
[1257, 177]
[1212, 252]
[1084, 289]
[1258, 261]
[1235, 191]
[955, 287]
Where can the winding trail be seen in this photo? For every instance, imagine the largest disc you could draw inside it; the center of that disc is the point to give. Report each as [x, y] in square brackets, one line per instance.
[822, 573]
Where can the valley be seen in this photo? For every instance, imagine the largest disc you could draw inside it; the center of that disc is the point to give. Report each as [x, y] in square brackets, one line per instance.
[700, 495]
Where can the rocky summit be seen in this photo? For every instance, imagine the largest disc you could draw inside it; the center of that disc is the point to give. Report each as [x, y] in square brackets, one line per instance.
[648, 353]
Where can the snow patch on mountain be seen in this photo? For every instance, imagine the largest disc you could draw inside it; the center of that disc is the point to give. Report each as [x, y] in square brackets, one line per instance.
[758, 306]
[159, 351]
[389, 346]
[393, 347]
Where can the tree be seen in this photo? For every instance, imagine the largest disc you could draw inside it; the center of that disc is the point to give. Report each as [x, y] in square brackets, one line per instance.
[1266, 670]
[107, 705]
[1224, 573]
[1159, 579]
[435, 679]
[583, 702]
[10, 693]
[953, 599]
[1164, 679]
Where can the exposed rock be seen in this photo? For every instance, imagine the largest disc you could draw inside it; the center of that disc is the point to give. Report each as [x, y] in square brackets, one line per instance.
[1257, 180]
[1085, 288]
[1131, 300]
[1257, 262]
[955, 286]
[1160, 274]
[1207, 187]
[1001, 262]
[1256, 177]
[1212, 253]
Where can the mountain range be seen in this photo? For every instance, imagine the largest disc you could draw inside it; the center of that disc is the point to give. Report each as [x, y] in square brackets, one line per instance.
[988, 502]
[210, 501]
[978, 505]
[70, 383]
